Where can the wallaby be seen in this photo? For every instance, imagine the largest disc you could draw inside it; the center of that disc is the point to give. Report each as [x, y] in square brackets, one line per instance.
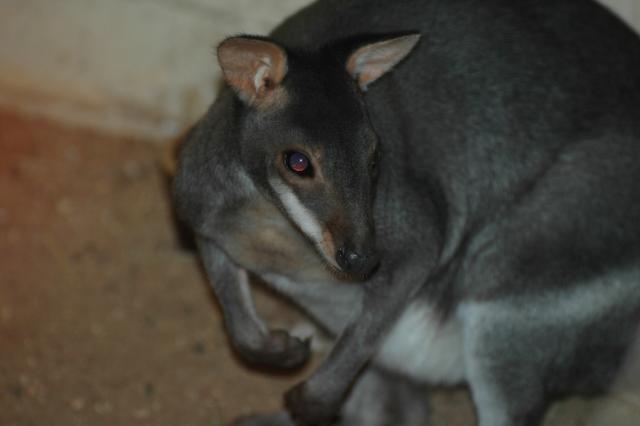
[450, 187]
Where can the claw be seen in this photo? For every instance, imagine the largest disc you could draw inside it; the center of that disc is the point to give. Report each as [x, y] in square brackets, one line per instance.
[279, 350]
[309, 409]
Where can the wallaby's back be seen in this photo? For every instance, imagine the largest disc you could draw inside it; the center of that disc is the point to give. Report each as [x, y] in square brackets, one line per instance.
[495, 92]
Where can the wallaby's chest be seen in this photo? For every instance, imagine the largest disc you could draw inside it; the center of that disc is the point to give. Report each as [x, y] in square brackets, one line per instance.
[262, 240]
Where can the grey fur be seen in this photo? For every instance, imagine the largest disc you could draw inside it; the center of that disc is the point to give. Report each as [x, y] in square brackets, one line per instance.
[506, 210]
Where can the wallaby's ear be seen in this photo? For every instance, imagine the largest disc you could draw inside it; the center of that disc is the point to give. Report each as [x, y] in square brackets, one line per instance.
[369, 62]
[252, 67]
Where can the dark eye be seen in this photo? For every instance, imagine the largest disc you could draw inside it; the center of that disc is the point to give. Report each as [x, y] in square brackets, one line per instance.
[298, 163]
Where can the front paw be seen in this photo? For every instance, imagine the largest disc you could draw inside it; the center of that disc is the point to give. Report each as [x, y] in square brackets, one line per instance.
[279, 350]
[280, 418]
[309, 408]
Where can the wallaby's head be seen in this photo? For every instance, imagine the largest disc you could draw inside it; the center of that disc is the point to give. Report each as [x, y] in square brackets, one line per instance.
[305, 136]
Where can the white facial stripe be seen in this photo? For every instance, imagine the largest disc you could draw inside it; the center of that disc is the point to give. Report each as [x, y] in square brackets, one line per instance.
[298, 212]
[302, 216]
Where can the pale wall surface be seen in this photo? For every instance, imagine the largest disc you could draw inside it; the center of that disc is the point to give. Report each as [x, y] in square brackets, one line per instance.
[143, 67]
[140, 67]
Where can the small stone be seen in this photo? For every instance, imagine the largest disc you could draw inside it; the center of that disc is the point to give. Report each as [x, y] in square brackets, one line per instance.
[78, 404]
[71, 154]
[132, 170]
[141, 414]
[97, 330]
[64, 206]
[149, 321]
[6, 314]
[32, 362]
[17, 391]
[149, 389]
[103, 407]
[199, 348]
[118, 314]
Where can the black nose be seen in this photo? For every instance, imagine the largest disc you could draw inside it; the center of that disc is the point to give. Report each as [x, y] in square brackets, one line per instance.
[356, 263]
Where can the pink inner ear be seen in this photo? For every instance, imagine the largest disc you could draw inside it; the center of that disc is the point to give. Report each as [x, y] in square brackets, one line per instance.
[370, 62]
[252, 66]
[372, 67]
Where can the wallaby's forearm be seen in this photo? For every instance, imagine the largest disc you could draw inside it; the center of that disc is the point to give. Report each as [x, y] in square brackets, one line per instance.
[248, 332]
[317, 400]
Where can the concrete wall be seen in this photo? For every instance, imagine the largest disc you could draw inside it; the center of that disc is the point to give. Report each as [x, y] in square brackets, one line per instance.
[141, 67]
[629, 10]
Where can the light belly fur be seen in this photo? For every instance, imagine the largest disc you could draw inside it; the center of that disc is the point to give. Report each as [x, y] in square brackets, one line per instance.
[424, 347]
[420, 345]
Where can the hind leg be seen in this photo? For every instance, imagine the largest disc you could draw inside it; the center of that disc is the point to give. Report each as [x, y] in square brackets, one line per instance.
[377, 399]
[382, 399]
[517, 400]
[521, 350]
[505, 368]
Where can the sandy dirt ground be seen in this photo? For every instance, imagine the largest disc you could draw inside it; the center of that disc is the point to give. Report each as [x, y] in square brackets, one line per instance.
[104, 318]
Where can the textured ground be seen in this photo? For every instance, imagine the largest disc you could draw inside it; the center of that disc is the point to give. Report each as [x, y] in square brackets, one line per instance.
[105, 320]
